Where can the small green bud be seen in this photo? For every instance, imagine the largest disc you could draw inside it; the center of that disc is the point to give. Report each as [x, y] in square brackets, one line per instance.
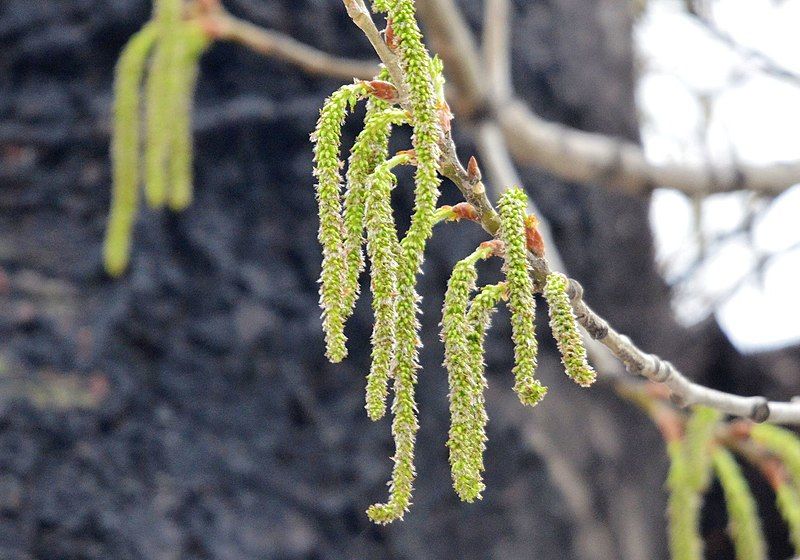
[743, 520]
[565, 331]
[512, 205]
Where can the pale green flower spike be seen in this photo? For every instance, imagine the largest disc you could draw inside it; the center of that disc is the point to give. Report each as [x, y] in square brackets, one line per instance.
[383, 248]
[160, 91]
[689, 477]
[512, 206]
[382, 5]
[327, 138]
[698, 440]
[466, 389]
[193, 41]
[125, 149]
[744, 523]
[565, 331]
[783, 443]
[788, 501]
[369, 150]
[424, 119]
[683, 508]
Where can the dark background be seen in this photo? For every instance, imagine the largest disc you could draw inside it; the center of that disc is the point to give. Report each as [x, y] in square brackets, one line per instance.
[186, 411]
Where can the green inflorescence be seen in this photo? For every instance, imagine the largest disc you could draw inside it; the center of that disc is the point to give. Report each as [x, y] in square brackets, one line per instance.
[462, 337]
[565, 330]
[512, 206]
[164, 55]
[689, 477]
[788, 501]
[383, 248]
[783, 443]
[744, 523]
[327, 140]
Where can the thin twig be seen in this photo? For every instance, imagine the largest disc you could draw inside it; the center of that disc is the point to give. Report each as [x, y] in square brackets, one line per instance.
[223, 26]
[497, 48]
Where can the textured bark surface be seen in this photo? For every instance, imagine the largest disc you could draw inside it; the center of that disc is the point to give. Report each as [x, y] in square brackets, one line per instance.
[211, 425]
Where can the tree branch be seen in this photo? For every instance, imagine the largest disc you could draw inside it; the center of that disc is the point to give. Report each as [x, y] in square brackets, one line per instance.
[684, 392]
[223, 26]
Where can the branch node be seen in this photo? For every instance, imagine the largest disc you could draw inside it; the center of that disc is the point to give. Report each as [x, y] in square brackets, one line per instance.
[574, 290]
[760, 412]
[662, 368]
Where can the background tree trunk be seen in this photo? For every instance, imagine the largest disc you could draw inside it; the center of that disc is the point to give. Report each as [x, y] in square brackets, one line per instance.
[187, 411]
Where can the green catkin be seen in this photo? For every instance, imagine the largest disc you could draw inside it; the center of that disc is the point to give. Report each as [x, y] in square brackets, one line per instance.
[512, 207]
[479, 317]
[327, 170]
[783, 443]
[565, 331]
[689, 477]
[424, 119]
[160, 90]
[788, 502]
[125, 149]
[383, 248]
[370, 149]
[193, 41]
[683, 508]
[743, 520]
[466, 390]
[698, 440]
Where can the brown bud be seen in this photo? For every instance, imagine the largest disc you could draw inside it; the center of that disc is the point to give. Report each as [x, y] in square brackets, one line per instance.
[412, 155]
[740, 429]
[533, 238]
[389, 36]
[445, 116]
[465, 211]
[496, 245]
[473, 171]
[383, 90]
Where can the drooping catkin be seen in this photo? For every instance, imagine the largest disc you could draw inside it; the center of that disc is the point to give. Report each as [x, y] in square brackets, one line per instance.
[683, 507]
[416, 65]
[125, 149]
[512, 206]
[689, 477]
[327, 139]
[370, 149]
[383, 248]
[466, 389]
[160, 89]
[743, 520]
[783, 443]
[788, 502]
[192, 42]
[565, 330]
[698, 440]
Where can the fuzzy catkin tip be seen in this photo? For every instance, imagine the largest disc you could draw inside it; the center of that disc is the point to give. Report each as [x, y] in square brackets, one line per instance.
[512, 206]
[565, 330]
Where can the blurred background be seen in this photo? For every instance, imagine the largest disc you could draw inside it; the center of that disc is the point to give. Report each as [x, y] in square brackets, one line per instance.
[186, 410]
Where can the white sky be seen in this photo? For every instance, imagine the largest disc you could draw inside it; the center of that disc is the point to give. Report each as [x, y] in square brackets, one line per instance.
[698, 98]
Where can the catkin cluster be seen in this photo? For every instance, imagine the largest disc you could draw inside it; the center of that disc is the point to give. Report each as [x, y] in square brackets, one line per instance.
[163, 55]
[698, 455]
